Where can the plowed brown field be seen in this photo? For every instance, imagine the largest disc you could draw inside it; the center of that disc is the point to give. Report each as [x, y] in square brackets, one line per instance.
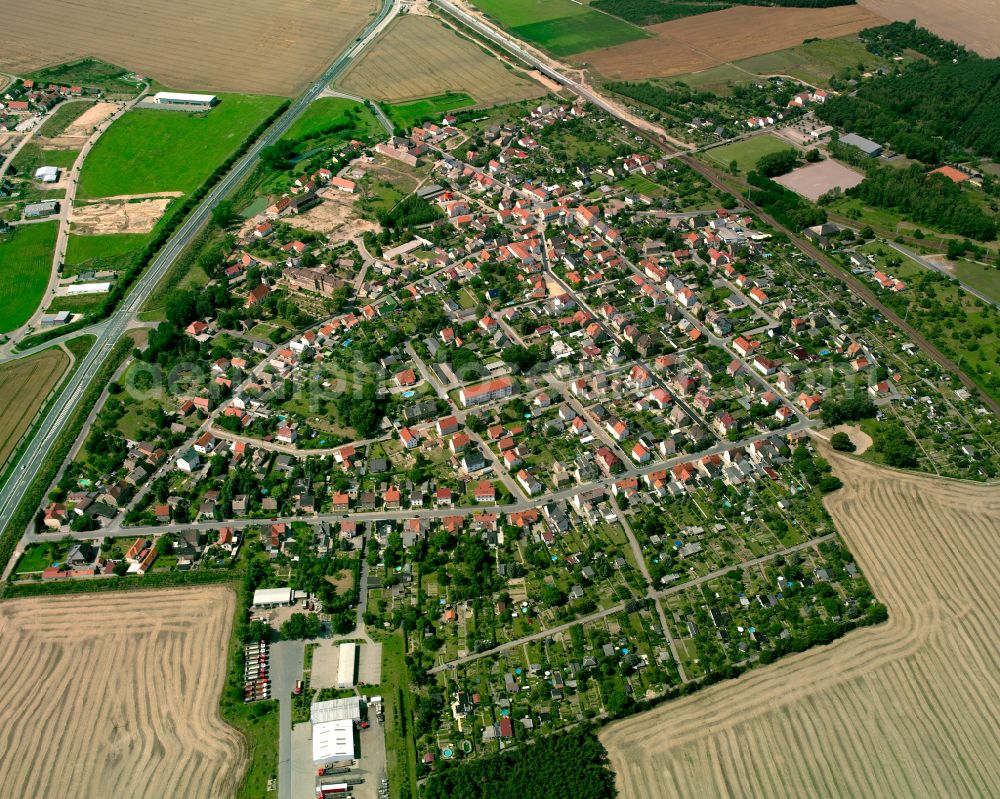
[707, 40]
[117, 695]
[909, 708]
[254, 46]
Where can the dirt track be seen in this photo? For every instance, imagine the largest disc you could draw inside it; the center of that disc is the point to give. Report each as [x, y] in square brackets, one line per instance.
[909, 708]
[694, 43]
[116, 695]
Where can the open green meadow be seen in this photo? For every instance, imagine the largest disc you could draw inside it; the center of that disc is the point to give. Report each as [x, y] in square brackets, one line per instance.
[100, 252]
[814, 62]
[981, 277]
[563, 27]
[25, 265]
[148, 151]
[406, 115]
[32, 156]
[327, 112]
[746, 153]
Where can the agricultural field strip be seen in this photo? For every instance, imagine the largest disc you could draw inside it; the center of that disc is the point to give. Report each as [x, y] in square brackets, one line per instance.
[926, 679]
[293, 47]
[157, 661]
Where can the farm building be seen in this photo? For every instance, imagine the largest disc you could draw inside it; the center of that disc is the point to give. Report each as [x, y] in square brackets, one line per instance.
[867, 146]
[47, 174]
[38, 210]
[333, 741]
[346, 709]
[346, 665]
[272, 597]
[180, 98]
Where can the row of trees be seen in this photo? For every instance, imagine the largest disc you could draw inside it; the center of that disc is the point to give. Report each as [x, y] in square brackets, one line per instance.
[783, 204]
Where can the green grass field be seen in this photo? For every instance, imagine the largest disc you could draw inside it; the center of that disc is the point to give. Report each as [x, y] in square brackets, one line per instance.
[746, 153]
[327, 111]
[63, 116]
[815, 62]
[100, 252]
[406, 115]
[25, 265]
[981, 277]
[715, 80]
[32, 156]
[147, 151]
[81, 303]
[562, 27]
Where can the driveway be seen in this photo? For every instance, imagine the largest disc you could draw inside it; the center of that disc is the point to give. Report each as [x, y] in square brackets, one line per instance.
[286, 668]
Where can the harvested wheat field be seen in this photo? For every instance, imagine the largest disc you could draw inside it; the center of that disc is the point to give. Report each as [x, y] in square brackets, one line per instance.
[909, 708]
[695, 43]
[974, 23]
[24, 385]
[117, 695]
[188, 44]
[419, 57]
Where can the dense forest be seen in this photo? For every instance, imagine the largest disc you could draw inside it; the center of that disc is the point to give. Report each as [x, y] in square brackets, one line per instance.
[572, 764]
[650, 12]
[927, 198]
[893, 39]
[928, 108]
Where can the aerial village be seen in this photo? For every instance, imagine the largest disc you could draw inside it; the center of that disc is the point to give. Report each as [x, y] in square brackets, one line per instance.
[538, 414]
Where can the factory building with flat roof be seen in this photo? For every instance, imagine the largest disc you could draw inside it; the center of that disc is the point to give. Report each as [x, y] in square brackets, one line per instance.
[333, 741]
[181, 98]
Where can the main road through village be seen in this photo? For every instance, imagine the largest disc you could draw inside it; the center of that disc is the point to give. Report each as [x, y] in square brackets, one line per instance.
[110, 330]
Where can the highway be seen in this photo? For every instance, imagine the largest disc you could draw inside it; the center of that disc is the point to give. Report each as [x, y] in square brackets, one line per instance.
[109, 331]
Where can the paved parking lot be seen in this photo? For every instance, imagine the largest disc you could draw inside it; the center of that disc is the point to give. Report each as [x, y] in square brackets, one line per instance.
[324, 668]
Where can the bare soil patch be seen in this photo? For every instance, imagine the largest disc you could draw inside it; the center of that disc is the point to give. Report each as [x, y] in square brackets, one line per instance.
[974, 23]
[419, 57]
[117, 694]
[333, 215]
[695, 43]
[114, 215]
[251, 46]
[859, 437]
[908, 708]
[24, 385]
[814, 180]
[85, 124]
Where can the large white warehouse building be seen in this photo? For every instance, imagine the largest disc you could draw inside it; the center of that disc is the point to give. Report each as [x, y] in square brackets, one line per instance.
[180, 98]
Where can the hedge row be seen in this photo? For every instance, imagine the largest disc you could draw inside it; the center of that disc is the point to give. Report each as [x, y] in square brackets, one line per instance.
[89, 585]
